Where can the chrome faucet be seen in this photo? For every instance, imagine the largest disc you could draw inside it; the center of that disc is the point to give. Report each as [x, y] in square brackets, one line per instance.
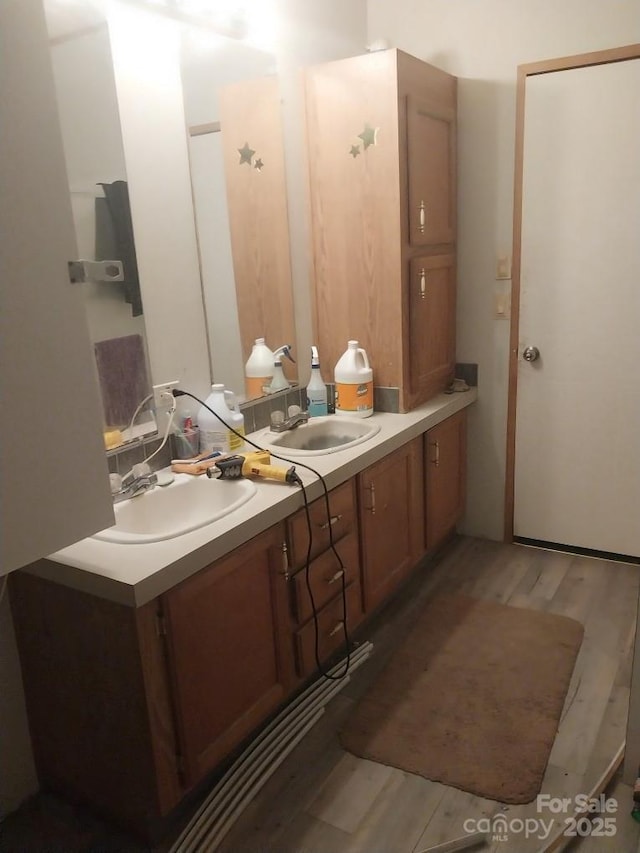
[134, 483]
[281, 424]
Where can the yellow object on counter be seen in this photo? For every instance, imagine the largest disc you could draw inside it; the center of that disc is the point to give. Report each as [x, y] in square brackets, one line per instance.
[195, 467]
[112, 438]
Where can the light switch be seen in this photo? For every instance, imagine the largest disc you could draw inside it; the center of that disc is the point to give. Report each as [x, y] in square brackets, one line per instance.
[502, 302]
[503, 267]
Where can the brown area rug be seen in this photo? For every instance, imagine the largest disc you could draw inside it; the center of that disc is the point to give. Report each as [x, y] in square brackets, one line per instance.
[472, 698]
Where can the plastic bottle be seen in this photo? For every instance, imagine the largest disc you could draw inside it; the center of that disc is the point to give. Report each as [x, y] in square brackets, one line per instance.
[213, 434]
[354, 383]
[279, 381]
[316, 389]
[258, 370]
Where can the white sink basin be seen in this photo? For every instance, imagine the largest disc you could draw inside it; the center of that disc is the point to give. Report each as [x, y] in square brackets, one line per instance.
[321, 435]
[166, 512]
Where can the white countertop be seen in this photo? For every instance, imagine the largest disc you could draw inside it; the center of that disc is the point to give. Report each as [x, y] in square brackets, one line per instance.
[135, 574]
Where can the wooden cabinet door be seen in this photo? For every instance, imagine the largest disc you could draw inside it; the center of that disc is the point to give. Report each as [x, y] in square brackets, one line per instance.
[229, 662]
[391, 520]
[445, 464]
[432, 324]
[431, 148]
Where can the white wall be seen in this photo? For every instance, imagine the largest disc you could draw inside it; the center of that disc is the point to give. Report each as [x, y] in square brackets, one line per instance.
[482, 42]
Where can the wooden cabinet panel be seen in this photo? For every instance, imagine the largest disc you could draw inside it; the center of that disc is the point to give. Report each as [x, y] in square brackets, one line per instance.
[391, 520]
[229, 665]
[330, 630]
[342, 502]
[98, 700]
[431, 148]
[445, 475]
[382, 162]
[325, 577]
[432, 319]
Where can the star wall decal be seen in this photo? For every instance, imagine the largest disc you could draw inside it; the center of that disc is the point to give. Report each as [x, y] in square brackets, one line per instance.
[355, 150]
[258, 164]
[369, 135]
[246, 154]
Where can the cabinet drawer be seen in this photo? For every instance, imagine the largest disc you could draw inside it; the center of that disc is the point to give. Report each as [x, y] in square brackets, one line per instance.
[330, 632]
[325, 577]
[343, 514]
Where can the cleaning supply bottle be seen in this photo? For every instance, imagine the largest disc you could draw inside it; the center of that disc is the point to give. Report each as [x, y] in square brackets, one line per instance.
[213, 434]
[258, 370]
[279, 381]
[354, 383]
[316, 389]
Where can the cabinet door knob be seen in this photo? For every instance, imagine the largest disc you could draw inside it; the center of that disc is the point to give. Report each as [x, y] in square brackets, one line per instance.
[372, 489]
[436, 456]
[285, 561]
[422, 216]
[336, 577]
[338, 627]
[333, 520]
[423, 283]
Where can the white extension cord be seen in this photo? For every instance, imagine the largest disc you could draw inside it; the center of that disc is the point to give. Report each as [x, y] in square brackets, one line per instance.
[260, 760]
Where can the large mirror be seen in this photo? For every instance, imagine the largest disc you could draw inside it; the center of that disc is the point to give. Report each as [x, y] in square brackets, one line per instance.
[232, 105]
[90, 124]
[90, 121]
[211, 66]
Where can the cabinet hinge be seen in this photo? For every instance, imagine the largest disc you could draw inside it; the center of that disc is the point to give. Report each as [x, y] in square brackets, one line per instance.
[161, 625]
[86, 271]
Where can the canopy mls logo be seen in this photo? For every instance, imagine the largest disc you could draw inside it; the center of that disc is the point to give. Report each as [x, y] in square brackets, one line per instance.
[585, 816]
[501, 828]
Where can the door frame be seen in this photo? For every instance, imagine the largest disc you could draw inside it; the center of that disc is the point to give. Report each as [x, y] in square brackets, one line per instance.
[565, 63]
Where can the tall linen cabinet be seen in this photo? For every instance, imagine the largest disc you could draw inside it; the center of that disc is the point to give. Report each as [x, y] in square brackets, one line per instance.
[381, 143]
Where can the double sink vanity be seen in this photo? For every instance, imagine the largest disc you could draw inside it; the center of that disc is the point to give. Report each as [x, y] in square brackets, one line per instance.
[153, 650]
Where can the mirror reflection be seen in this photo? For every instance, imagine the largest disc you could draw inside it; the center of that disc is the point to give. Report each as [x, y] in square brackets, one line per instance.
[240, 213]
[233, 111]
[98, 187]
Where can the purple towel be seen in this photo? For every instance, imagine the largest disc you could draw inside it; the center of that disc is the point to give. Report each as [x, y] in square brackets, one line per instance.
[122, 371]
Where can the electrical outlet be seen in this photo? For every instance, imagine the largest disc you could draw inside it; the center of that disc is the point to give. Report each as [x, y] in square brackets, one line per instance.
[162, 396]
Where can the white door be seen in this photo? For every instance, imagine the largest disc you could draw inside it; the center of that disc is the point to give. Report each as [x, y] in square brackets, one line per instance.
[54, 486]
[577, 451]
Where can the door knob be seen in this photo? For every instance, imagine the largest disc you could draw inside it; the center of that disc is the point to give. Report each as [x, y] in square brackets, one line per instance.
[531, 353]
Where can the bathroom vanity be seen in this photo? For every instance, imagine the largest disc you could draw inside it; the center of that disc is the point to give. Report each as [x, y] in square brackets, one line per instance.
[147, 665]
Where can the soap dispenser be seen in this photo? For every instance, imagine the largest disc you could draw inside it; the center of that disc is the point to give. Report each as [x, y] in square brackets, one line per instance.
[316, 389]
[279, 381]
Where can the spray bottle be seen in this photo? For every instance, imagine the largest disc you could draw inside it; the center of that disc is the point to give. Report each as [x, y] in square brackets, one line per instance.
[316, 389]
[280, 381]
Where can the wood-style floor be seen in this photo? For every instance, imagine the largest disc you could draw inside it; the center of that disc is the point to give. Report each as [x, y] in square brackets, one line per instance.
[324, 800]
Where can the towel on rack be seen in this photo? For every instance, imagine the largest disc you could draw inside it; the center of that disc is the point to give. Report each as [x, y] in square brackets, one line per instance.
[114, 238]
[122, 371]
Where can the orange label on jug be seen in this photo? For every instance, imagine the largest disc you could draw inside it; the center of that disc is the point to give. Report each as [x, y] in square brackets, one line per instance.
[255, 385]
[354, 397]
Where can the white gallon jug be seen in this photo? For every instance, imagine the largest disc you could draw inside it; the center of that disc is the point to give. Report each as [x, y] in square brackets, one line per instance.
[213, 434]
[258, 370]
[354, 383]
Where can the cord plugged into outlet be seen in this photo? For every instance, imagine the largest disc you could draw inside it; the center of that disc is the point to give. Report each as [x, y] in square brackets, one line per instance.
[162, 394]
